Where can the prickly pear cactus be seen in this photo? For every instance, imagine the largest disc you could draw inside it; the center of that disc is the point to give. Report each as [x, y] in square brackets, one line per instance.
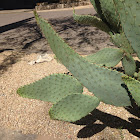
[121, 20]
[128, 11]
[92, 72]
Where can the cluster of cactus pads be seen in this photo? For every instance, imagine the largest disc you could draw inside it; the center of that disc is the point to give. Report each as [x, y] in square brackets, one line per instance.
[121, 20]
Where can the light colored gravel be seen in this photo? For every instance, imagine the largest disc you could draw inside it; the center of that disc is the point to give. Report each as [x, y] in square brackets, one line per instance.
[31, 116]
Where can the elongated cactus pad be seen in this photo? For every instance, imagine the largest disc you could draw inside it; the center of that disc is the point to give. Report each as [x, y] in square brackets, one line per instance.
[91, 20]
[129, 11]
[129, 65]
[104, 83]
[73, 107]
[51, 88]
[134, 87]
[109, 57]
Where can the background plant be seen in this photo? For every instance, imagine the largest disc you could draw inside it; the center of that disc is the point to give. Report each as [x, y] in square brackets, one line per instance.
[120, 19]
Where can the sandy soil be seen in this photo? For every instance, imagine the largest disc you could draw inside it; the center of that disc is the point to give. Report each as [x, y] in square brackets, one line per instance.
[22, 45]
[31, 116]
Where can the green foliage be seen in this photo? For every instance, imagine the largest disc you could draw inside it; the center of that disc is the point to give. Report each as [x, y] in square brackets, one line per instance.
[121, 12]
[106, 81]
[138, 76]
[91, 20]
[129, 65]
[108, 57]
[74, 107]
[51, 88]
[118, 18]
[122, 21]
[106, 11]
[120, 40]
[128, 11]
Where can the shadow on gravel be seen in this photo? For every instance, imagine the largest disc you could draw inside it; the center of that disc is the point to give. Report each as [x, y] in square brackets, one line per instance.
[10, 60]
[82, 38]
[25, 36]
[109, 120]
[21, 36]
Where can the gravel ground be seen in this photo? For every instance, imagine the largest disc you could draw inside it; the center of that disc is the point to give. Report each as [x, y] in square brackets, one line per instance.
[22, 45]
[31, 116]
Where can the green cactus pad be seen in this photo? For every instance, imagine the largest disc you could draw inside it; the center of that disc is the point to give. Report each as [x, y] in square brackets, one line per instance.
[122, 42]
[129, 11]
[73, 107]
[104, 83]
[129, 65]
[106, 10]
[51, 88]
[139, 76]
[91, 20]
[134, 87]
[109, 57]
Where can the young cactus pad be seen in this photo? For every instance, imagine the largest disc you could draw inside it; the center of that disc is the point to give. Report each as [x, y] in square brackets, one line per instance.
[108, 57]
[91, 20]
[104, 83]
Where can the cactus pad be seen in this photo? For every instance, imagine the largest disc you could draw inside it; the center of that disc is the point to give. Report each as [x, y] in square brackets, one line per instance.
[129, 65]
[73, 107]
[109, 57]
[106, 10]
[91, 20]
[51, 88]
[104, 83]
[122, 42]
[134, 87]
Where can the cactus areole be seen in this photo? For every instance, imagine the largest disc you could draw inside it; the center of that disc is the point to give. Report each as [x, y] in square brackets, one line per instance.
[121, 20]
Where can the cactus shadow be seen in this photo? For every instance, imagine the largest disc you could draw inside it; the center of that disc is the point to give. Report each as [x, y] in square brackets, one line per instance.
[137, 65]
[107, 120]
[134, 108]
[25, 36]
[19, 39]
[83, 38]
